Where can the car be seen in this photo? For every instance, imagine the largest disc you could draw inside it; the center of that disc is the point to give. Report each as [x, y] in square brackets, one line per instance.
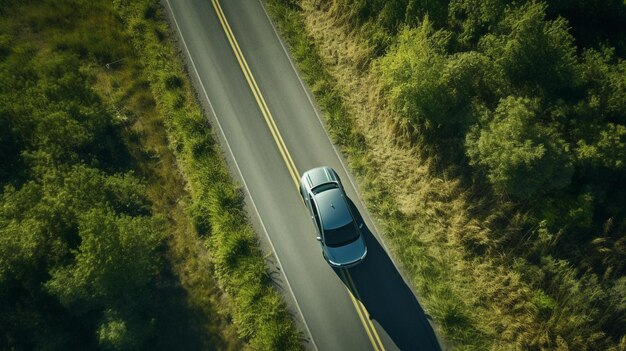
[343, 243]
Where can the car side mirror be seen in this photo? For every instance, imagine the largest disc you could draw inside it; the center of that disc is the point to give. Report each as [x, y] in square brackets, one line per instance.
[319, 238]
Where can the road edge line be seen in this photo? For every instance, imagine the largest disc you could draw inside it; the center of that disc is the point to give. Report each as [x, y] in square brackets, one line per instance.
[339, 155]
[241, 175]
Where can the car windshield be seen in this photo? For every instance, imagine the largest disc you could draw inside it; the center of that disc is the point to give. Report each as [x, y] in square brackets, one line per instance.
[341, 236]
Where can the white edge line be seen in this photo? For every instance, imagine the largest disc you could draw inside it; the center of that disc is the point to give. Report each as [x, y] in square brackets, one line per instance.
[356, 189]
[240, 173]
[345, 169]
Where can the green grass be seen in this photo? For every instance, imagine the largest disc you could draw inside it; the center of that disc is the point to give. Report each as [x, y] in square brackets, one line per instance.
[216, 203]
[123, 87]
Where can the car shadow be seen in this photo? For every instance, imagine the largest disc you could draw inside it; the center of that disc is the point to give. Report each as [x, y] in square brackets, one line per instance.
[387, 298]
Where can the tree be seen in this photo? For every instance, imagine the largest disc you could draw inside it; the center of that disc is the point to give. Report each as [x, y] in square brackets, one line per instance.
[40, 230]
[594, 23]
[471, 19]
[604, 82]
[538, 56]
[116, 260]
[521, 156]
[429, 88]
[609, 150]
[411, 71]
[123, 331]
[113, 269]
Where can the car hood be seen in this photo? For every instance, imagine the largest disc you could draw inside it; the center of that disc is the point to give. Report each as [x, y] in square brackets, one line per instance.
[347, 254]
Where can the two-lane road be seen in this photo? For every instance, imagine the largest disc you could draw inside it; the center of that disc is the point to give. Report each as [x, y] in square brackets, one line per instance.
[271, 132]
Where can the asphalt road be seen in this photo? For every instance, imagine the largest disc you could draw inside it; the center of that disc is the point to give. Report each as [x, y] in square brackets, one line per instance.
[368, 307]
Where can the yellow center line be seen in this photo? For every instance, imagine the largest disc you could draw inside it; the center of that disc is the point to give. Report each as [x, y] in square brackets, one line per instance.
[293, 171]
[369, 321]
[362, 313]
[257, 92]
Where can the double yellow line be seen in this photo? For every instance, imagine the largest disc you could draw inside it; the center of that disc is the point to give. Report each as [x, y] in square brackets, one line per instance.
[257, 93]
[291, 166]
[362, 311]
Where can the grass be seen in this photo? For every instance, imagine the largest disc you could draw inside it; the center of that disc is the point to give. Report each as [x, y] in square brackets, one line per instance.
[216, 204]
[124, 87]
[456, 242]
[429, 218]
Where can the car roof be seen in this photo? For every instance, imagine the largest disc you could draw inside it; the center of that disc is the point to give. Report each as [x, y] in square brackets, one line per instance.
[333, 208]
[319, 176]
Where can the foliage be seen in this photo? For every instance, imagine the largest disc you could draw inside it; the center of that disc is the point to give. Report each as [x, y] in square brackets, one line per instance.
[608, 151]
[258, 311]
[390, 15]
[537, 56]
[604, 85]
[594, 23]
[83, 261]
[521, 156]
[472, 19]
[115, 261]
[515, 239]
[430, 88]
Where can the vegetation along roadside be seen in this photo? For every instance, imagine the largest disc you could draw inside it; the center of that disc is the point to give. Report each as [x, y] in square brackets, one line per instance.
[217, 207]
[488, 139]
[120, 227]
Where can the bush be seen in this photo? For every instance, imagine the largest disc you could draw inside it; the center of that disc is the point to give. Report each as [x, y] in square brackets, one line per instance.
[257, 309]
[521, 157]
[537, 56]
[431, 89]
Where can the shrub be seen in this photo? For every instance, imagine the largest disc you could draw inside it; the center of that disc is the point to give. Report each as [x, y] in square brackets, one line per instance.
[521, 157]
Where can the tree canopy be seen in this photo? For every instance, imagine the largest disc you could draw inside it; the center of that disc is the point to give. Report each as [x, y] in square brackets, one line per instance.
[525, 103]
[80, 251]
[522, 157]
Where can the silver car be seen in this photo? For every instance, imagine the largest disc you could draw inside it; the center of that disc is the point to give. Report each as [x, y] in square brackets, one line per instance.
[343, 244]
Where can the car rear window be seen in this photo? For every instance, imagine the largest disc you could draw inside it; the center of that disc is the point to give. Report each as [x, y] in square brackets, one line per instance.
[341, 236]
[320, 188]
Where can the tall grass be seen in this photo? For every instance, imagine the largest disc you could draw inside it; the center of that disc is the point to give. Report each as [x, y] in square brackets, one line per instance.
[123, 86]
[446, 236]
[217, 203]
